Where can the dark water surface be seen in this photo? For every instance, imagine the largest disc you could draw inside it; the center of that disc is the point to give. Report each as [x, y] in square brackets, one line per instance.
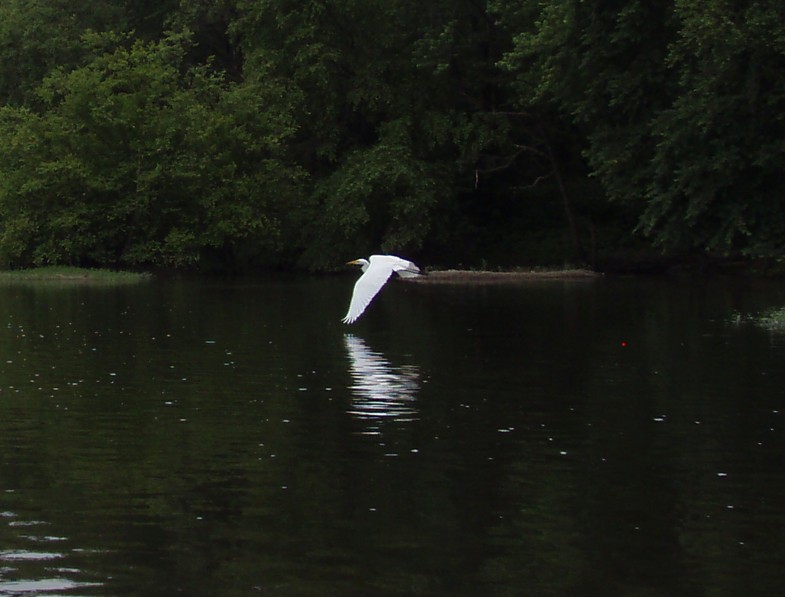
[616, 436]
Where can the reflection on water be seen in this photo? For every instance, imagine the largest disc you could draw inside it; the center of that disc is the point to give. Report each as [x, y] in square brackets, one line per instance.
[35, 566]
[380, 390]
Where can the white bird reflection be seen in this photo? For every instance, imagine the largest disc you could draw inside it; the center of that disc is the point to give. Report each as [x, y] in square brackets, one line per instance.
[381, 391]
[33, 567]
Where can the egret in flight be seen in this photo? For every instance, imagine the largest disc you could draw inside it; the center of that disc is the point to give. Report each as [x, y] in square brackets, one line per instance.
[376, 271]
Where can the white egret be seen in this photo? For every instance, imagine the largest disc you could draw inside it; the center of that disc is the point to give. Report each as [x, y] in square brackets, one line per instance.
[376, 271]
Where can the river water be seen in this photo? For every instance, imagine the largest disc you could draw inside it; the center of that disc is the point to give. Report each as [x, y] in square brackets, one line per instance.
[212, 437]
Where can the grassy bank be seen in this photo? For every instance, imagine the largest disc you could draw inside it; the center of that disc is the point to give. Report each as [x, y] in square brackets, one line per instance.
[71, 275]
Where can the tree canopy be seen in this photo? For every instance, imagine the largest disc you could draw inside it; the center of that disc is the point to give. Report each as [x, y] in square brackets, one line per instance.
[273, 133]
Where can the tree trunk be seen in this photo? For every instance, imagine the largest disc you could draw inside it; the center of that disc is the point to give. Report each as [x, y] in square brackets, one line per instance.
[569, 210]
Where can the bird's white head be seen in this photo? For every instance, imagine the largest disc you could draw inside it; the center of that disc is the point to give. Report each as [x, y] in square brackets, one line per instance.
[363, 263]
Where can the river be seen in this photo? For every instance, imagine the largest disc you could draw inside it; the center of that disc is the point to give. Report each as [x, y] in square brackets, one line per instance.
[619, 436]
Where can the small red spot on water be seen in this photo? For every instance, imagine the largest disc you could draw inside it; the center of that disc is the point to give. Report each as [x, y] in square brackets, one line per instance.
[623, 344]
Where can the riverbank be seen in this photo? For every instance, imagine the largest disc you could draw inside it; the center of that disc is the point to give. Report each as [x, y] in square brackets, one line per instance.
[454, 276]
[72, 275]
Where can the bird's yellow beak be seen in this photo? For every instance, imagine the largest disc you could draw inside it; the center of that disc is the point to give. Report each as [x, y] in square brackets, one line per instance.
[355, 262]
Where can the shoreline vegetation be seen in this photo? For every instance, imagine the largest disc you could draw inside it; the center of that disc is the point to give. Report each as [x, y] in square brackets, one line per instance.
[625, 136]
[72, 275]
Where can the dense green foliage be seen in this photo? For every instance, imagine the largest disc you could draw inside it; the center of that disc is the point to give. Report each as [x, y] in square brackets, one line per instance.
[247, 133]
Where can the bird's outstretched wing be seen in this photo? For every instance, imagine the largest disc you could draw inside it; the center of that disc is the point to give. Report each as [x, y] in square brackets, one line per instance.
[369, 284]
[406, 269]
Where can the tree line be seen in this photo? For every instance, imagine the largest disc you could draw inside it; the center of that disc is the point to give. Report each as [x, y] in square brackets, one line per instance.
[229, 134]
